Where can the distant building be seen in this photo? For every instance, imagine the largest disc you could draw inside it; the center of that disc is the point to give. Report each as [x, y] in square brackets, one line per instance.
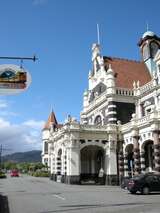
[118, 133]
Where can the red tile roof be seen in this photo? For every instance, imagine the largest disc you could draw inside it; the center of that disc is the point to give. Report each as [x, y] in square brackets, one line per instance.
[128, 71]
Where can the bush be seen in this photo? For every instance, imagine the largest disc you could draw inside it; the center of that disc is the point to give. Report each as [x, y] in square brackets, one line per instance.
[2, 175]
[41, 174]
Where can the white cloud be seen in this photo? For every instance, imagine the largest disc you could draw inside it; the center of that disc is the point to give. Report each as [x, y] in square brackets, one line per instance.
[3, 123]
[34, 124]
[22, 137]
[5, 109]
[3, 104]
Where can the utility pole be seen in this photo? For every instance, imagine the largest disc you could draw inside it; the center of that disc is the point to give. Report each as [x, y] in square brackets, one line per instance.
[1, 151]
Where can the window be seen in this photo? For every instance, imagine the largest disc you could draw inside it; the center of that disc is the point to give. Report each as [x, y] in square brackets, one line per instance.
[8, 74]
[98, 120]
[45, 147]
[153, 48]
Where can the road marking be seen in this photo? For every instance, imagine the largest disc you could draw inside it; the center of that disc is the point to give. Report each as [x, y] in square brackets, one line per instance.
[62, 198]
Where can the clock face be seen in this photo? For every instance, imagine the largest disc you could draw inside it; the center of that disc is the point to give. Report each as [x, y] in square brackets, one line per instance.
[154, 48]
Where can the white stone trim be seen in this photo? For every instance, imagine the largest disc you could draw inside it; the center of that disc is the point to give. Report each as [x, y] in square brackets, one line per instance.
[111, 112]
[111, 106]
[112, 119]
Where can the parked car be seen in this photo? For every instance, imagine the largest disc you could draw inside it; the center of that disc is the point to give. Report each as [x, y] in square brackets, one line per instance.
[144, 183]
[14, 173]
[124, 182]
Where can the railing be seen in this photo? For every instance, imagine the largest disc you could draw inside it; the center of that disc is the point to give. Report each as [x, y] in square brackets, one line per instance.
[144, 119]
[93, 127]
[145, 88]
[124, 92]
[139, 122]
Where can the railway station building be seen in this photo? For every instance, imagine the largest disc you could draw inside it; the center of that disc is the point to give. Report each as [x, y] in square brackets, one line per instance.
[119, 128]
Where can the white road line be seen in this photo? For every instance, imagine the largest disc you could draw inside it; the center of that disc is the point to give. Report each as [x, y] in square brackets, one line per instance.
[62, 198]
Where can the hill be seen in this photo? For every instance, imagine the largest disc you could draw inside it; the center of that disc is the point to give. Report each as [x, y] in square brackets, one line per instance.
[20, 157]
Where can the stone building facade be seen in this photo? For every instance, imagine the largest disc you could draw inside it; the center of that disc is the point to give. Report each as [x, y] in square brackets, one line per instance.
[118, 132]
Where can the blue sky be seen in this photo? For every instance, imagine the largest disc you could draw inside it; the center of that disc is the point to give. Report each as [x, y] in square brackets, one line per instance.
[61, 33]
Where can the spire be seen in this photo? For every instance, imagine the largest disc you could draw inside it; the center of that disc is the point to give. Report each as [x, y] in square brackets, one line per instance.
[52, 121]
[147, 26]
[98, 37]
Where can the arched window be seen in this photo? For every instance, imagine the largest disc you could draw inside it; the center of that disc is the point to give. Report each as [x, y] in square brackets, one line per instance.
[98, 120]
[45, 147]
[59, 162]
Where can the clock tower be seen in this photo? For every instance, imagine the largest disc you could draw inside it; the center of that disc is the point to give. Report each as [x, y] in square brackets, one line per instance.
[149, 45]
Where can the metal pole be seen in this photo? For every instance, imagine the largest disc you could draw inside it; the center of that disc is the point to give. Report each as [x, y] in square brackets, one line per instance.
[1, 157]
[19, 58]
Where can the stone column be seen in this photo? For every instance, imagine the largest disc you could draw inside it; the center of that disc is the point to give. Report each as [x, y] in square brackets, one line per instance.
[120, 161]
[126, 164]
[73, 167]
[137, 164]
[156, 150]
[138, 109]
[111, 176]
[142, 159]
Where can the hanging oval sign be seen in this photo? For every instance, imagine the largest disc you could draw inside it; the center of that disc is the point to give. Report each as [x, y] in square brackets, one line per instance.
[13, 79]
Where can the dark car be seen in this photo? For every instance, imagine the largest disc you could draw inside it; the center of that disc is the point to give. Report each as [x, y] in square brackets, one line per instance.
[124, 182]
[144, 183]
[14, 173]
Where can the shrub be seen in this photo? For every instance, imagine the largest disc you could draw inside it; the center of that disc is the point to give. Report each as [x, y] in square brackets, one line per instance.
[41, 174]
[2, 175]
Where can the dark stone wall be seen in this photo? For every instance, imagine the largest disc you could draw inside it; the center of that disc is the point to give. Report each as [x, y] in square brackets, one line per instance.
[125, 111]
[53, 177]
[73, 179]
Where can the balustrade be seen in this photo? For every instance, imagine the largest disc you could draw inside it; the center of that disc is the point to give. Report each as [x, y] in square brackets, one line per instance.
[124, 91]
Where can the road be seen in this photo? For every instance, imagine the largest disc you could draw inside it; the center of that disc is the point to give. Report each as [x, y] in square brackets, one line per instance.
[40, 195]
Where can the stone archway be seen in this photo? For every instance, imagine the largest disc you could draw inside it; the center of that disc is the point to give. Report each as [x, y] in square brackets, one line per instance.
[129, 160]
[148, 155]
[92, 162]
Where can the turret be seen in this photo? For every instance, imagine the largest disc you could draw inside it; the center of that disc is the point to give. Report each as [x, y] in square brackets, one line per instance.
[149, 45]
[51, 123]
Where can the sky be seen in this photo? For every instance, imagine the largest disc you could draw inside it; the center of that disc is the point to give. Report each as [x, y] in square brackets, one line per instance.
[61, 34]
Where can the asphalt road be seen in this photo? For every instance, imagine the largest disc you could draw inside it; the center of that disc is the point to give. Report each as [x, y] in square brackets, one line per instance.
[40, 195]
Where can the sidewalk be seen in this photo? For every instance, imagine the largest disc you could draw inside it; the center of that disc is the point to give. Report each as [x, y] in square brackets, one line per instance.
[4, 208]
